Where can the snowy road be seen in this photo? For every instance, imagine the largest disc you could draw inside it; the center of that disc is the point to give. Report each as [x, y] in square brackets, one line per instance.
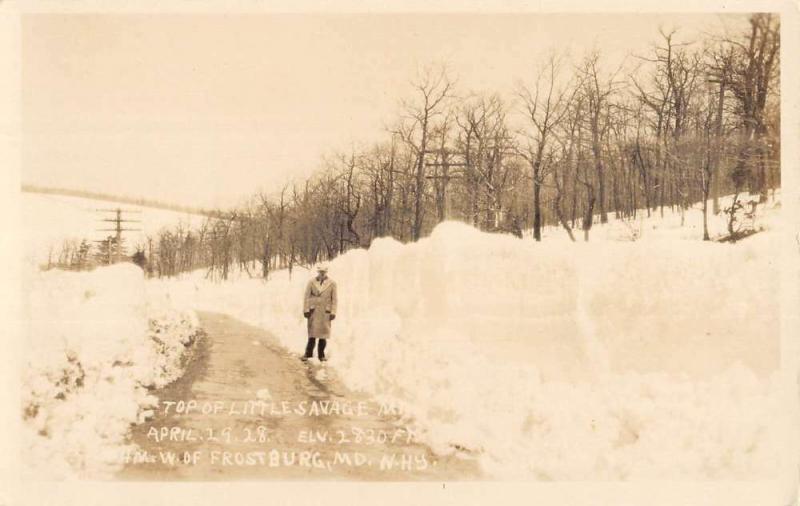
[224, 426]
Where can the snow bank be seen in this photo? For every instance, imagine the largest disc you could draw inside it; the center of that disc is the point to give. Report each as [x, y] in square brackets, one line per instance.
[94, 345]
[676, 225]
[646, 359]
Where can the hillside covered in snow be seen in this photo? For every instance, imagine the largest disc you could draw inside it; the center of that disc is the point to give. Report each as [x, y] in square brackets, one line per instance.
[50, 220]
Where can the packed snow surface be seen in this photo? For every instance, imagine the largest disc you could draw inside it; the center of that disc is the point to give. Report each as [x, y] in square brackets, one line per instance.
[95, 342]
[653, 358]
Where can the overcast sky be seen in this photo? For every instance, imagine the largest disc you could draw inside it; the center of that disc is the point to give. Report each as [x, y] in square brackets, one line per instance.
[208, 109]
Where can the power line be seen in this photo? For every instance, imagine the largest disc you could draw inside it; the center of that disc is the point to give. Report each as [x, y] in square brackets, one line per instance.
[118, 220]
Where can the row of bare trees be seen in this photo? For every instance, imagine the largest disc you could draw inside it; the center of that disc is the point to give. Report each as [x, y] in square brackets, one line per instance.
[579, 140]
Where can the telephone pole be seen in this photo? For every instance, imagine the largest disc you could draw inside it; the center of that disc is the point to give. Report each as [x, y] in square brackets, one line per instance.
[118, 229]
[443, 180]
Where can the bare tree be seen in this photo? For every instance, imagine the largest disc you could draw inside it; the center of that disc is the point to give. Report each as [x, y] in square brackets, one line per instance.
[750, 68]
[432, 89]
[546, 103]
[597, 91]
[693, 122]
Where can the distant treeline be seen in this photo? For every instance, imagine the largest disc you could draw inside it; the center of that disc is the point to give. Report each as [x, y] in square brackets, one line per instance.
[144, 202]
[578, 141]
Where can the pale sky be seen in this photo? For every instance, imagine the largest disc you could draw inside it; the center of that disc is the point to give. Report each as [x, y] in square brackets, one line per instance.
[207, 109]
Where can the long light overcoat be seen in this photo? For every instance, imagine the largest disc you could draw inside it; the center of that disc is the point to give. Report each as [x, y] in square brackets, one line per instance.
[320, 301]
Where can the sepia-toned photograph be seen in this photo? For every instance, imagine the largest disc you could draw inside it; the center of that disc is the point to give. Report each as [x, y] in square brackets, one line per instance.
[403, 247]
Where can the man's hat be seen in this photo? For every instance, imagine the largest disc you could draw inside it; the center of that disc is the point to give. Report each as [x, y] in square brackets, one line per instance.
[323, 267]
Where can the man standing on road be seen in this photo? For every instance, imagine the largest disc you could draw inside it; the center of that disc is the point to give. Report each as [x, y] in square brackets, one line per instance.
[319, 308]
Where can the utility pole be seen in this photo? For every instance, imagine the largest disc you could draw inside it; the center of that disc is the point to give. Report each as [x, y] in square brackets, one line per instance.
[718, 145]
[118, 221]
[717, 76]
[445, 177]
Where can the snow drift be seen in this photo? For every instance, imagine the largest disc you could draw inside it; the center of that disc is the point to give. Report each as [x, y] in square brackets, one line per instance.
[648, 359]
[95, 343]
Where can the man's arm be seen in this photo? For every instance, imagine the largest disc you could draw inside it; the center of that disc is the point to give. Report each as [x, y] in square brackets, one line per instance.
[307, 300]
[334, 299]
